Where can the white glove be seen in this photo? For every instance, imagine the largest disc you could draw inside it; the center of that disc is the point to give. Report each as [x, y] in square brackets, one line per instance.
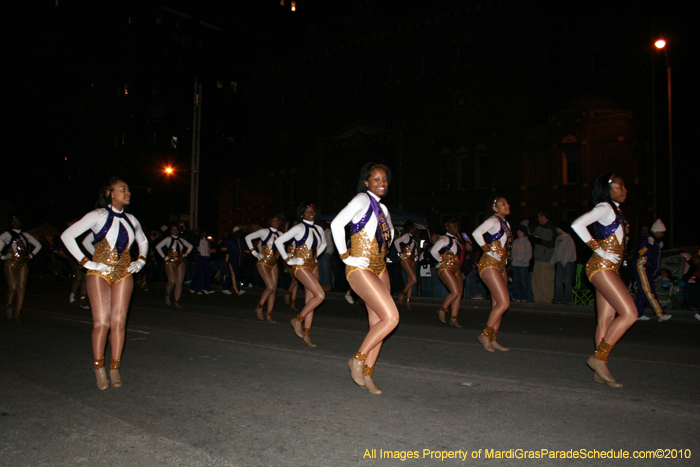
[167, 258]
[257, 254]
[136, 266]
[6, 257]
[494, 255]
[356, 262]
[612, 257]
[295, 261]
[99, 267]
[438, 265]
[402, 256]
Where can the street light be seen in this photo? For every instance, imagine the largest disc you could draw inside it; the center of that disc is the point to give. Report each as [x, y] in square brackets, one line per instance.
[169, 170]
[661, 44]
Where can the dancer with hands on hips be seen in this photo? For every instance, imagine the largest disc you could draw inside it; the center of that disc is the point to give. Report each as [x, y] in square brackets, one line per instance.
[495, 238]
[309, 243]
[371, 236]
[109, 281]
[616, 309]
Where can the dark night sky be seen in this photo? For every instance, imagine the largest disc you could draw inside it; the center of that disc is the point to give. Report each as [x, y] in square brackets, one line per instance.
[254, 33]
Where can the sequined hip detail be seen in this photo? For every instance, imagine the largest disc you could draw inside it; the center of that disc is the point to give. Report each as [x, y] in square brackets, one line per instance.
[175, 258]
[17, 260]
[487, 261]
[109, 256]
[362, 246]
[407, 254]
[450, 262]
[309, 258]
[596, 263]
[269, 258]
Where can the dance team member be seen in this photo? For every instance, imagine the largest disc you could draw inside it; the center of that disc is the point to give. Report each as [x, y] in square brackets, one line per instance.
[406, 246]
[603, 269]
[371, 233]
[234, 258]
[309, 242]
[174, 256]
[16, 268]
[267, 257]
[109, 281]
[495, 238]
[447, 252]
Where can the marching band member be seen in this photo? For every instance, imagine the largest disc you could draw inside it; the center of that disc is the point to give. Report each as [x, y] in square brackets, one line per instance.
[447, 251]
[309, 243]
[495, 238]
[174, 256]
[16, 268]
[109, 280]
[371, 236]
[267, 256]
[603, 269]
[406, 246]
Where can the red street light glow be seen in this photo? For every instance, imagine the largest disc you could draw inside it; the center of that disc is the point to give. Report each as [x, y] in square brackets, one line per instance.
[660, 44]
[169, 170]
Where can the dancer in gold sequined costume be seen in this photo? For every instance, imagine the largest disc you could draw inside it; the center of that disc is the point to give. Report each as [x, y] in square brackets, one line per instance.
[173, 250]
[16, 268]
[612, 297]
[371, 236]
[109, 280]
[309, 242]
[447, 251]
[406, 246]
[495, 238]
[267, 256]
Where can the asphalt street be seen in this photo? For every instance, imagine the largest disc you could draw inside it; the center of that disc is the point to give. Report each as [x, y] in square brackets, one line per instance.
[210, 385]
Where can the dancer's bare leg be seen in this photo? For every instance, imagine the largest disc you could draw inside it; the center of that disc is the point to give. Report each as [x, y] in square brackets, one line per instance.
[179, 279]
[313, 294]
[497, 284]
[381, 309]
[612, 297]
[269, 277]
[411, 280]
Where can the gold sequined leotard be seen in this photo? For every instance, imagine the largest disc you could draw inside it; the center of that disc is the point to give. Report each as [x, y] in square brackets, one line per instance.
[450, 262]
[596, 263]
[269, 258]
[109, 256]
[363, 247]
[309, 258]
[607, 240]
[18, 259]
[175, 258]
[487, 261]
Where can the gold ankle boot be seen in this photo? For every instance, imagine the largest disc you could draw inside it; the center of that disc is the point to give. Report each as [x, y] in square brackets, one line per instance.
[114, 366]
[259, 313]
[298, 326]
[100, 375]
[369, 382]
[269, 319]
[307, 339]
[598, 362]
[485, 339]
[167, 299]
[357, 368]
[177, 304]
[598, 379]
[408, 304]
[288, 298]
[455, 323]
[441, 314]
[401, 297]
[496, 345]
